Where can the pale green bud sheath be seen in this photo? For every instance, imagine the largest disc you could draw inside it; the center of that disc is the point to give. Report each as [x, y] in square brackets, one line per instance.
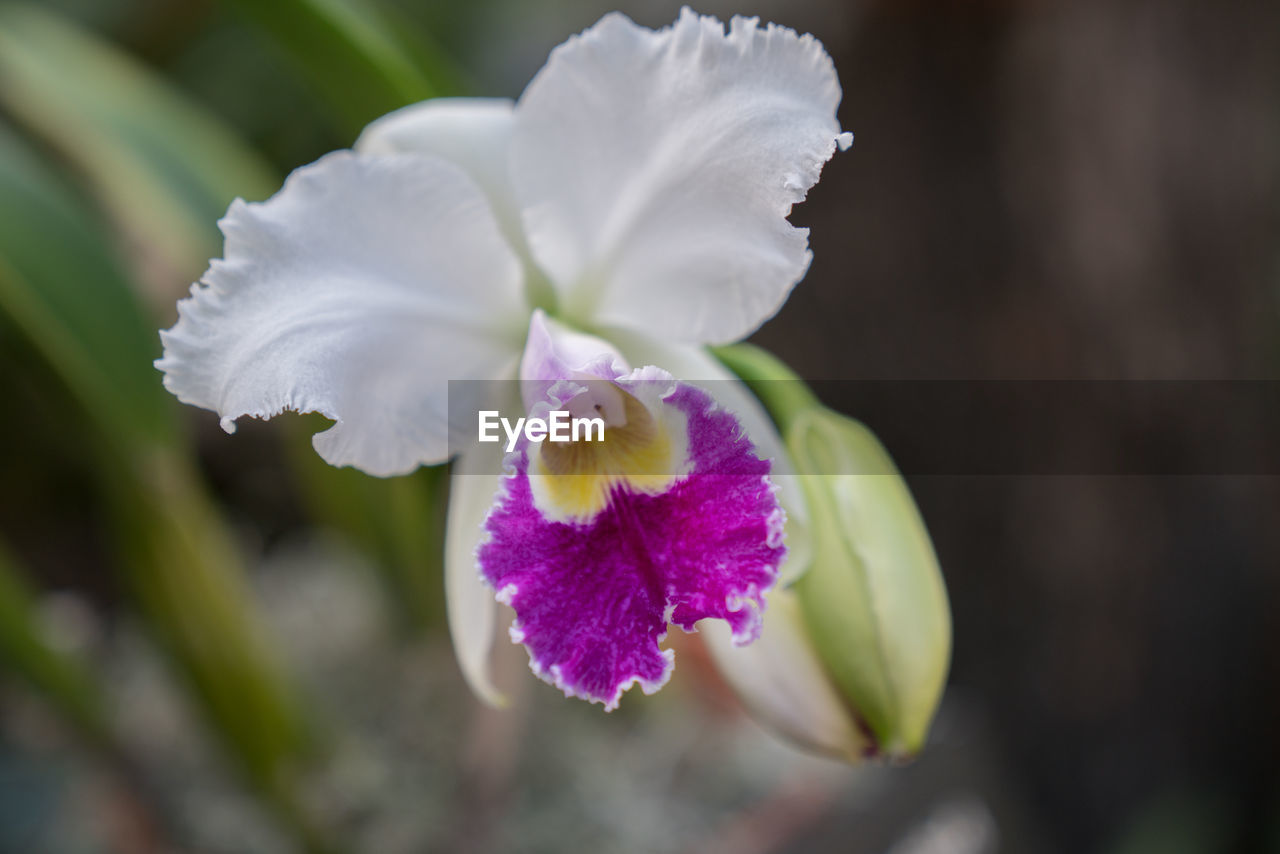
[873, 599]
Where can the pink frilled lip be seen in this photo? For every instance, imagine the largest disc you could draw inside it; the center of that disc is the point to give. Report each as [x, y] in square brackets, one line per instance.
[593, 599]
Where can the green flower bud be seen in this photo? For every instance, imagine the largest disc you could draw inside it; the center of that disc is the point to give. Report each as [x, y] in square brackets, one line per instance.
[872, 600]
[782, 682]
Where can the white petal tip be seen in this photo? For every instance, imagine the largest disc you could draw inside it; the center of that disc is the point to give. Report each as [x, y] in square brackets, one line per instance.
[228, 424]
[844, 140]
[490, 696]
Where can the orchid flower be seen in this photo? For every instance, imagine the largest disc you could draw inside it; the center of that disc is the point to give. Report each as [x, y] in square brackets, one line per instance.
[590, 239]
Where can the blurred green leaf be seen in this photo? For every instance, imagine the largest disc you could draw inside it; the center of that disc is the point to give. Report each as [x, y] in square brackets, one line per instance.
[164, 168]
[351, 54]
[63, 287]
[57, 676]
[65, 291]
[182, 572]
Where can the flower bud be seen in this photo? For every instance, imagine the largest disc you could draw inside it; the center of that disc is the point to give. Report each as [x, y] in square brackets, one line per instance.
[870, 612]
[782, 682]
[873, 599]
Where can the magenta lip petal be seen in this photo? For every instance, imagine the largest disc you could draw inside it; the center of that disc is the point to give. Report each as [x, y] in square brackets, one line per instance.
[593, 600]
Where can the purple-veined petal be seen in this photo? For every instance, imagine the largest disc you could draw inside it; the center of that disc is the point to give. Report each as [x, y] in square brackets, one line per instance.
[357, 291]
[656, 171]
[593, 596]
[553, 353]
[693, 364]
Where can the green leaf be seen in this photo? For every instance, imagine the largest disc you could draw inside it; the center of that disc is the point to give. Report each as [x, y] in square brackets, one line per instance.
[181, 569]
[63, 287]
[64, 290]
[163, 167]
[350, 54]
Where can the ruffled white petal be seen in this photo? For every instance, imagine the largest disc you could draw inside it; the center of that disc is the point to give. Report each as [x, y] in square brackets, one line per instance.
[472, 133]
[357, 291]
[656, 171]
[782, 683]
[696, 365]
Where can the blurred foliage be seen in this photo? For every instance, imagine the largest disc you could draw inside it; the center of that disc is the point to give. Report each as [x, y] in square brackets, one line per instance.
[163, 168]
[399, 521]
[351, 55]
[111, 182]
[26, 652]
[61, 284]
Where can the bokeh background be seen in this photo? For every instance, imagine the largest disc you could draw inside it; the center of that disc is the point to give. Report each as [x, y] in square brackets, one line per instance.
[213, 644]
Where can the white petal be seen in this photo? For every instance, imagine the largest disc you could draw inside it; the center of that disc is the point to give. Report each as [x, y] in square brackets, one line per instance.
[357, 291]
[657, 169]
[471, 606]
[696, 365]
[472, 133]
[782, 683]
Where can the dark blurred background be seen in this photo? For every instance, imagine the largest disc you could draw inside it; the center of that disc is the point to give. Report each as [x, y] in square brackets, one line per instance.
[1083, 191]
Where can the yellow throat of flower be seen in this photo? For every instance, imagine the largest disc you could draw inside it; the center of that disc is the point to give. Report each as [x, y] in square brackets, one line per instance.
[642, 452]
